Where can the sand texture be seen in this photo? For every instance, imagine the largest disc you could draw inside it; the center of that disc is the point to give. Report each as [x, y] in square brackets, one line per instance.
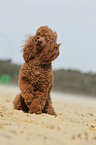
[75, 123]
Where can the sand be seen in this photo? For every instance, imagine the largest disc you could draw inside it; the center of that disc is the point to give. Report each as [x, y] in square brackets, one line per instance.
[75, 123]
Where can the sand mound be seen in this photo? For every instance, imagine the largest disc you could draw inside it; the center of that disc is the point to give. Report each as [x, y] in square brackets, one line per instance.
[75, 123]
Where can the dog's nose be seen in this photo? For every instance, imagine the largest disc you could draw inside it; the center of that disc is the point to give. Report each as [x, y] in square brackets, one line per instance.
[39, 42]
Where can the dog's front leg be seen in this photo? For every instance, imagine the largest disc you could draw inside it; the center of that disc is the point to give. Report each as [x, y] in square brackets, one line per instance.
[38, 102]
[48, 107]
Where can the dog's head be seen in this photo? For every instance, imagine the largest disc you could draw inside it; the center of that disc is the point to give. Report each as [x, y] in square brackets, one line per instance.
[43, 44]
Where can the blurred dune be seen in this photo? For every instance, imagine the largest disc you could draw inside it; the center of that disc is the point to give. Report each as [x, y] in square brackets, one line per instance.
[75, 123]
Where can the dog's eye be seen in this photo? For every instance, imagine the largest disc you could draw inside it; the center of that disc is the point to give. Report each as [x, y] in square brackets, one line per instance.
[46, 39]
[37, 37]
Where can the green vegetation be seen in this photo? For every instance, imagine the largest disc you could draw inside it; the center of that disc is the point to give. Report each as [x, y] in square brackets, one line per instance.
[7, 68]
[71, 81]
[5, 79]
[75, 82]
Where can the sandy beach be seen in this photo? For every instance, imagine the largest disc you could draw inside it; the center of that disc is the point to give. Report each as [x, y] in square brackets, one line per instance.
[75, 123]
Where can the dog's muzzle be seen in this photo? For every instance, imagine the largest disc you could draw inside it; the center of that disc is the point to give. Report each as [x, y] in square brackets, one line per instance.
[39, 42]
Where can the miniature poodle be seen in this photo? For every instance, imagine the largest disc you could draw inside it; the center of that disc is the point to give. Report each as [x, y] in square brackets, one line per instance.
[36, 79]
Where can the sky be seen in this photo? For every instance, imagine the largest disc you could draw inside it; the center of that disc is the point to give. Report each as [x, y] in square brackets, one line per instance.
[73, 20]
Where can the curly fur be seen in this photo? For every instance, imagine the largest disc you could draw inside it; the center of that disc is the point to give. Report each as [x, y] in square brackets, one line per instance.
[36, 79]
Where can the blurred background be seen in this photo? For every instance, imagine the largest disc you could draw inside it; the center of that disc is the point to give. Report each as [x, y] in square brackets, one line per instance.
[75, 23]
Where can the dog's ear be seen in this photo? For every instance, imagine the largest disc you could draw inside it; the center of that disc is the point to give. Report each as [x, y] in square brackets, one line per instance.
[49, 53]
[55, 35]
[29, 50]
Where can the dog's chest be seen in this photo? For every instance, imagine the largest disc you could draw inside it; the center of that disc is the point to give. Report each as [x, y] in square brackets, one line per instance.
[40, 74]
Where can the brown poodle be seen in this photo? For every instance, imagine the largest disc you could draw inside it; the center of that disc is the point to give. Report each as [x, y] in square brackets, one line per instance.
[36, 79]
